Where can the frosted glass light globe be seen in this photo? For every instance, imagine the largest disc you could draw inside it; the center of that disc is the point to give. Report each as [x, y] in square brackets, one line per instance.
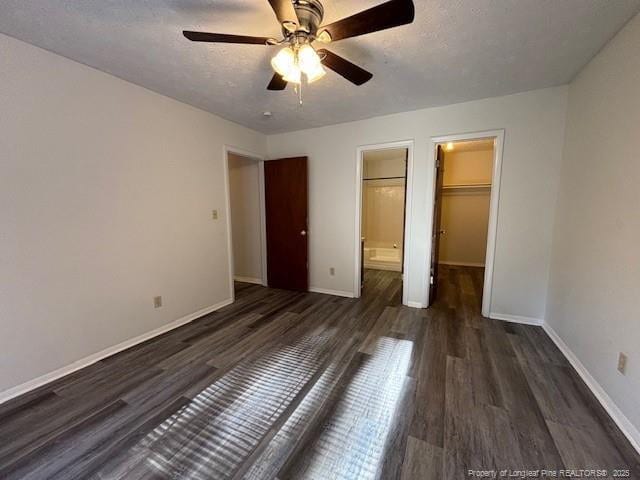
[316, 74]
[284, 61]
[293, 75]
[308, 59]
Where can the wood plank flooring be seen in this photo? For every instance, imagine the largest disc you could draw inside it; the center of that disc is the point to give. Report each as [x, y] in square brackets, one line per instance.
[286, 385]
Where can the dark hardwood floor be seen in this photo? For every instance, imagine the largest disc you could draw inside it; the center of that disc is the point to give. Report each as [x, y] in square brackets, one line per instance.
[302, 385]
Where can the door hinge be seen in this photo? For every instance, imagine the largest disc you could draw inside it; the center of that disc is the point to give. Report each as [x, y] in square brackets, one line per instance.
[431, 280]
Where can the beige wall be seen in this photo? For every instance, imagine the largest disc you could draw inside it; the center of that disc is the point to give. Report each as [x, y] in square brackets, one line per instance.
[534, 132]
[106, 193]
[465, 167]
[246, 231]
[465, 211]
[384, 163]
[594, 289]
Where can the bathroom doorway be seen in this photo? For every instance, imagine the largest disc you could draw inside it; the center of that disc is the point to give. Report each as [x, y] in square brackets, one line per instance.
[383, 209]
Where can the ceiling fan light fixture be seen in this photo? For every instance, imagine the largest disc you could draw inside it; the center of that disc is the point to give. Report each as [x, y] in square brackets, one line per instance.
[284, 61]
[301, 23]
[291, 63]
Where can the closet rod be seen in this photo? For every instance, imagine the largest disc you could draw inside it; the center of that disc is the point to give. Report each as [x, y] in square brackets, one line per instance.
[467, 186]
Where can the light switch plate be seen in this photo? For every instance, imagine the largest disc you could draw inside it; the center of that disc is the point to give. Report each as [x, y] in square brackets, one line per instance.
[157, 302]
[214, 214]
[622, 363]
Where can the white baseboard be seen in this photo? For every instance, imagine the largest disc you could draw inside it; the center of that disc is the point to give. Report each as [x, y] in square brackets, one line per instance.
[96, 357]
[462, 264]
[238, 278]
[326, 291]
[627, 428]
[416, 304]
[516, 319]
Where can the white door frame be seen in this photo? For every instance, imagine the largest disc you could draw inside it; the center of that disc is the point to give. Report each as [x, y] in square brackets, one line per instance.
[498, 147]
[408, 144]
[263, 224]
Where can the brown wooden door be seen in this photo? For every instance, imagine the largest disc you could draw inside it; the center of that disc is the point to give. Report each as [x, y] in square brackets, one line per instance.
[285, 191]
[436, 232]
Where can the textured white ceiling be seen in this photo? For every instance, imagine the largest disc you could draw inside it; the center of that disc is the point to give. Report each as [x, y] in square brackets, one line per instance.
[456, 50]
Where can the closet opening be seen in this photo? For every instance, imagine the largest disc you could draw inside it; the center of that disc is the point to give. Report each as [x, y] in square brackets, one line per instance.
[464, 223]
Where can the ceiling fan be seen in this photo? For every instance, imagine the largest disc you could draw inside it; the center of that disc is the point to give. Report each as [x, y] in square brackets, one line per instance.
[301, 26]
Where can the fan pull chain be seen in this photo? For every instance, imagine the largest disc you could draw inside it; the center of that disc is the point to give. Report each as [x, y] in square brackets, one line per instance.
[298, 90]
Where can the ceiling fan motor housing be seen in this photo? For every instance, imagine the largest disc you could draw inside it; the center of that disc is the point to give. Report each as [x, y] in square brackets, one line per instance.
[310, 14]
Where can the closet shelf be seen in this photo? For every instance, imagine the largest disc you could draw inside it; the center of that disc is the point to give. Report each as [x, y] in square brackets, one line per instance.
[467, 186]
[384, 178]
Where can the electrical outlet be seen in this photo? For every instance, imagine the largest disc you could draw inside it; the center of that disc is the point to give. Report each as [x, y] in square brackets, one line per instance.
[332, 271]
[157, 302]
[622, 363]
[214, 214]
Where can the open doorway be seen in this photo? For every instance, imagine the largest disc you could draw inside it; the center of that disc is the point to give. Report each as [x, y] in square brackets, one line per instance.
[464, 220]
[246, 222]
[382, 221]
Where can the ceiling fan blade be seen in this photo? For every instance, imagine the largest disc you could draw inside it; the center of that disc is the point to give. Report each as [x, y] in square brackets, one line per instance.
[386, 15]
[224, 38]
[344, 67]
[277, 82]
[284, 11]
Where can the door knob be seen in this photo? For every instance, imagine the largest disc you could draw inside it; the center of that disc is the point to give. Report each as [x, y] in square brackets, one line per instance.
[303, 233]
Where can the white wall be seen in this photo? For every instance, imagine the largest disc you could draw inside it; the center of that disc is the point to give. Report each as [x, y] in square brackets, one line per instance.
[534, 125]
[106, 192]
[465, 211]
[244, 195]
[594, 289]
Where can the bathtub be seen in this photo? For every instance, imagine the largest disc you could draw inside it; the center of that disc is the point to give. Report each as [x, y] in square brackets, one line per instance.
[383, 258]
